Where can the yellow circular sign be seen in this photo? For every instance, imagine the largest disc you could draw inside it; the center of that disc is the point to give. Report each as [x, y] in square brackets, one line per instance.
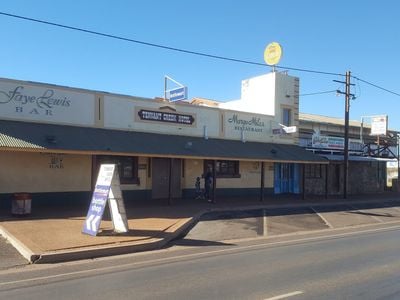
[272, 53]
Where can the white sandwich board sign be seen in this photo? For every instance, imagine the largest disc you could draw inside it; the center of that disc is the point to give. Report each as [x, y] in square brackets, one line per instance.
[107, 189]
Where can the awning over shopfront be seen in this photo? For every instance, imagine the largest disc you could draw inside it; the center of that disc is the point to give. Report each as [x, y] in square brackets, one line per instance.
[38, 137]
[333, 157]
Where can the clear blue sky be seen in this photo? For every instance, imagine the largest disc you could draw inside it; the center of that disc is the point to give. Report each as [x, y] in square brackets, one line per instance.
[331, 36]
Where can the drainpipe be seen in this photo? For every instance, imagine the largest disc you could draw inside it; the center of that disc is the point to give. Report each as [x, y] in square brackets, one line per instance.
[262, 181]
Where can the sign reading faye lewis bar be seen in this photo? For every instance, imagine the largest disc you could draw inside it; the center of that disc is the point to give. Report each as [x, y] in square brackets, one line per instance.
[167, 117]
[19, 100]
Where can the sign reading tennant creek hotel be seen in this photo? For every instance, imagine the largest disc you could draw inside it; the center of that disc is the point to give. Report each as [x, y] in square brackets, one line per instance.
[44, 103]
[167, 117]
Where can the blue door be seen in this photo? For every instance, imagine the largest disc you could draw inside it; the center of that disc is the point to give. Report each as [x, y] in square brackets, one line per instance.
[286, 178]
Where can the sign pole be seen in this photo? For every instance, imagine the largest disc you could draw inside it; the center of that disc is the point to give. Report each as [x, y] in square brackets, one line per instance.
[176, 94]
[165, 88]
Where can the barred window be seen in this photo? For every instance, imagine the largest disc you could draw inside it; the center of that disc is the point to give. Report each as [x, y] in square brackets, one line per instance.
[223, 168]
[313, 171]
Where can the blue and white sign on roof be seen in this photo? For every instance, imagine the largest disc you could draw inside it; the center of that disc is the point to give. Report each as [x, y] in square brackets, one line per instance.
[177, 94]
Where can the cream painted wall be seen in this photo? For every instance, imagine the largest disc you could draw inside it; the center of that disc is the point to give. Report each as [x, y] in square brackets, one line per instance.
[35, 173]
[262, 95]
[122, 113]
[193, 169]
[250, 175]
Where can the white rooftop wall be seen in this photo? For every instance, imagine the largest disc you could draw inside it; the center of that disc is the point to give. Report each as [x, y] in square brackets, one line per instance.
[258, 96]
[267, 95]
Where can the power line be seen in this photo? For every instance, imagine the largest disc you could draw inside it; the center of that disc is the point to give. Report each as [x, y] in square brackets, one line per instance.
[192, 52]
[163, 46]
[318, 93]
[377, 86]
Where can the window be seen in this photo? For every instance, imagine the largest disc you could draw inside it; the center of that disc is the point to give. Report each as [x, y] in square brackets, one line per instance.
[223, 168]
[313, 171]
[127, 167]
[286, 116]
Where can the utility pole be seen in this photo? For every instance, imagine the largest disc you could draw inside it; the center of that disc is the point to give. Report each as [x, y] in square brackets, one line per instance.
[346, 130]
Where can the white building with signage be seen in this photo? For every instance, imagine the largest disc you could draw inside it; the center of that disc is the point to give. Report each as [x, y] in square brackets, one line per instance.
[373, 154]
[54, 138]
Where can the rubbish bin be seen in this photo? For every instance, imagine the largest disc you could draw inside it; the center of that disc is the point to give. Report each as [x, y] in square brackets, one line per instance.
[21, 204]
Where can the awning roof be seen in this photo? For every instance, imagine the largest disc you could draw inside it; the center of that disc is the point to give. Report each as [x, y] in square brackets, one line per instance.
[48, 137]
[334, 157]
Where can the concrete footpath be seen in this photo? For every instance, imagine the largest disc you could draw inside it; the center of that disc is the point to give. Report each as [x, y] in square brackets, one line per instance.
[55, 234]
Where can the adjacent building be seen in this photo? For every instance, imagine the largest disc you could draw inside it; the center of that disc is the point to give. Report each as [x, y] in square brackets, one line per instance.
[372, 158]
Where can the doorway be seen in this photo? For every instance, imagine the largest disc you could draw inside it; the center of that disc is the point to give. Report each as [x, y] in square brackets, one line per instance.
[162, 170]
[286, 178]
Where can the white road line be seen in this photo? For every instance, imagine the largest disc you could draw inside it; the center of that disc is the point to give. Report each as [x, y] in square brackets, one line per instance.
[197, 255]
[365, 211]
[283, 296]
[322, 217]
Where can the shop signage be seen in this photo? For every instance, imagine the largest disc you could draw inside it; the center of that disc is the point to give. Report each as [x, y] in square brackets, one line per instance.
[331, 142]
[327, 142]
[277, 131]
[107, 189]
[18, 100]
[252, 124]
[290, 129]
[46, 100]
[177, 94]
[378, 125]
[56, 162]
[166, 117]
[284, 130]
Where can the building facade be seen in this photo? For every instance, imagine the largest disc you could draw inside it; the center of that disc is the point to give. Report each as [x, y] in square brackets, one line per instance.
[53, 140]
[370, 157]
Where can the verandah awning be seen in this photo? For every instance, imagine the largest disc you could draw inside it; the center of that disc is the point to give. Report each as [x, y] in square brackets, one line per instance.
[16, 135]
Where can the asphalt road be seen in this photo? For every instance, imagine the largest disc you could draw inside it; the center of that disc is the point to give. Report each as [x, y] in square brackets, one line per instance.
[346, 265]
[9, 256]
[217, 227]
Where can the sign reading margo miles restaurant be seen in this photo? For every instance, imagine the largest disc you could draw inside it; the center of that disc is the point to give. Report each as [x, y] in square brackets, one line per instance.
[251, 124]
[45, 103]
